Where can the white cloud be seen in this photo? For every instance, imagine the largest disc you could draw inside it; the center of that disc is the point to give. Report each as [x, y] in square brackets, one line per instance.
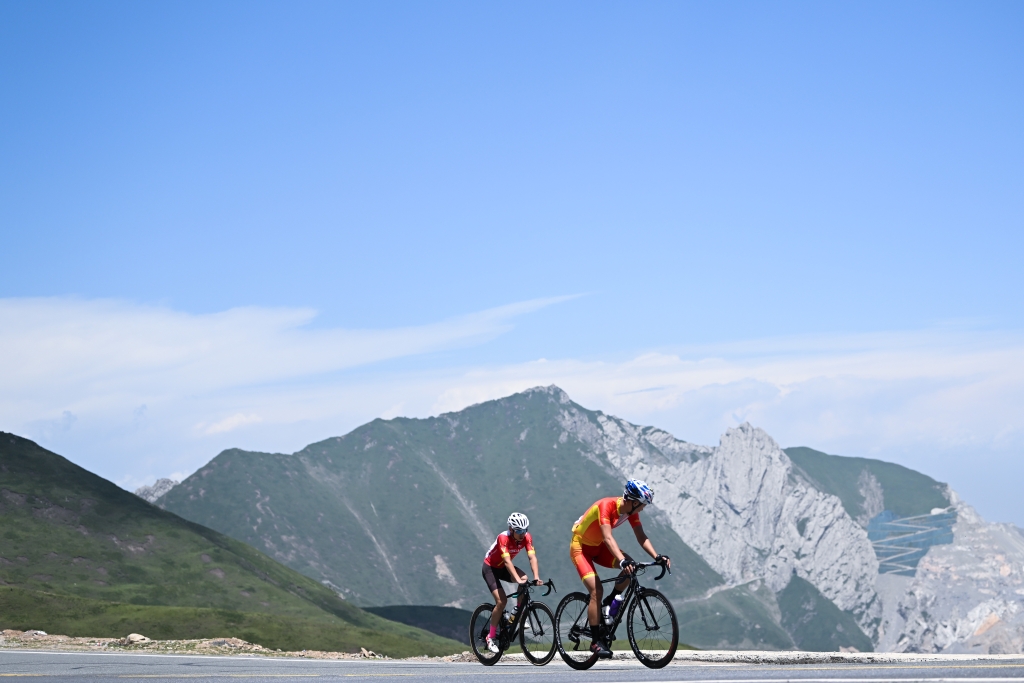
[135, 392]
[93, 356]
[230, 424]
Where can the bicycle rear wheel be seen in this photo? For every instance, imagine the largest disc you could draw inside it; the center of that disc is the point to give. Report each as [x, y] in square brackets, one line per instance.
[537, 634]
[479, 627]
[652, 628]
[572, 631]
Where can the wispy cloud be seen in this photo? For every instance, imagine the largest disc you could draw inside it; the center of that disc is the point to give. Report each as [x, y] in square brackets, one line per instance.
[94, 355]
[135, 392]
[230, 423]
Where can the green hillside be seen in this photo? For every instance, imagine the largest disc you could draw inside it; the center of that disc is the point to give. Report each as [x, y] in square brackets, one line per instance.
[744, 618]
[69, 534]
[449, 622]
[73, 616]
[906, 492]
[417, 502]
[815, 623]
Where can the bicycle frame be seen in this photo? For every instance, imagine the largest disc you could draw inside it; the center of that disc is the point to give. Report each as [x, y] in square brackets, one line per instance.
[509, 637]
[634, 591]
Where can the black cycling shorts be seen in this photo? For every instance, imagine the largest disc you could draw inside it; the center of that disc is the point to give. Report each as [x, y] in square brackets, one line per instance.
[493, 575]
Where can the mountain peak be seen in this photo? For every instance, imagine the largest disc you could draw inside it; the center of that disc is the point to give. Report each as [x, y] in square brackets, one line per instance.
[554, 391]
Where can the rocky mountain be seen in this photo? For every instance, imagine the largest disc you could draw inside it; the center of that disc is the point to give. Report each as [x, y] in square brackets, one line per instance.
[81, 555]
[401, 511]
[745, 508]
[966, 596]
[159, 488]
[773, 548]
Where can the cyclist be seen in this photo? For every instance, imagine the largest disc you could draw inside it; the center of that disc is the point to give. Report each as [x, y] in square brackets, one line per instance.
[593, 543]
[498, 567]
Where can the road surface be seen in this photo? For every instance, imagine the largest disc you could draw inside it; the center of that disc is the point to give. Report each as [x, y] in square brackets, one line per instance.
[62, 667]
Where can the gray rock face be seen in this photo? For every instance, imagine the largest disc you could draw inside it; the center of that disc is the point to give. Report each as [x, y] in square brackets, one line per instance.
[966, 597]
[744, 508]
[869, 487]
[159, 488]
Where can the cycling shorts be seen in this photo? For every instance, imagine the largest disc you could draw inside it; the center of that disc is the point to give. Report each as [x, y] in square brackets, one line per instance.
[492, 575]
[586, 556]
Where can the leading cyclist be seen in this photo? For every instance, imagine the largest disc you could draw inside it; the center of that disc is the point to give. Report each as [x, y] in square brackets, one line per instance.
[593, 543]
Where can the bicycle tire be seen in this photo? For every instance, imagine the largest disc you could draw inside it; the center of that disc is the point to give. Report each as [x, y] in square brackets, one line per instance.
[539, 646]
[479, 627]
[649, 611]
[572, 628]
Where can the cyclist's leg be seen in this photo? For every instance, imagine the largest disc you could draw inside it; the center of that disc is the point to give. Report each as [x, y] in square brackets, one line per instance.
[594, 587]
[493, 577]
[604, 558]
[582, 557]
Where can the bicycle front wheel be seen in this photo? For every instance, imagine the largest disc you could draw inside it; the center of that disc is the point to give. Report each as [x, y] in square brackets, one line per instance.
[479, 627]
[572, 631]
[653, 629]
[537, 634]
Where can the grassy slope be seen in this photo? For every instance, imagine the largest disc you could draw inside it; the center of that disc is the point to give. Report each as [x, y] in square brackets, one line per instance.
[74, 616]
[67, 531]
[375, 495]
[815, 623]
[449, 622]
[738, 618]
[906, 492]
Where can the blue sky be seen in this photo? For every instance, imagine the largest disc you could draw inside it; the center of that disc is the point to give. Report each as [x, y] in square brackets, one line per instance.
[258, 225]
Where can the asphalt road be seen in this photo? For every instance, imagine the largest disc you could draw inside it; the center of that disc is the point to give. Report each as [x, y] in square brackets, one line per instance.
[100, 667]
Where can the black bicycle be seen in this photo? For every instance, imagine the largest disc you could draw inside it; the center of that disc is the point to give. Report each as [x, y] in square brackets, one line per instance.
[532, 624]
[650, 624]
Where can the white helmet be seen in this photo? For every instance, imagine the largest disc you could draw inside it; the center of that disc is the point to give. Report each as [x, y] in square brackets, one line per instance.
[517, 521]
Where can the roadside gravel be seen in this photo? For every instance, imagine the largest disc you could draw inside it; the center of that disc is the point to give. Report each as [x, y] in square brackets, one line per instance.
[136, 643]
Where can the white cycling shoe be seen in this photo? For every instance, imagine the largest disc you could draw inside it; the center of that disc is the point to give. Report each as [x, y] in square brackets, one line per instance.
[492, 646]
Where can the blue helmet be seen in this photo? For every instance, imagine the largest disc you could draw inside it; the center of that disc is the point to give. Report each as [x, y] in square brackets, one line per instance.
[639, 491]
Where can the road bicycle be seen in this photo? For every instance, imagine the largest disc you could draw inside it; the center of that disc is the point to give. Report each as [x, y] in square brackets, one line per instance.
[532, 623]
[650, 624]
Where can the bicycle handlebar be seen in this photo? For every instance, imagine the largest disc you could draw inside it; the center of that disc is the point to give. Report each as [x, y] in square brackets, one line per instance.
[641, 566]
[530, 585]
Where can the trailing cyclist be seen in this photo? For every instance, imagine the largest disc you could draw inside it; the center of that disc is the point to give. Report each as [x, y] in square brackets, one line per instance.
[593, 543]
[498, 567]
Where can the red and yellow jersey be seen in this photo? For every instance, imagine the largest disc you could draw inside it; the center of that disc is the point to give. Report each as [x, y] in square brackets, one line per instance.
[605, 511]
[506, 545]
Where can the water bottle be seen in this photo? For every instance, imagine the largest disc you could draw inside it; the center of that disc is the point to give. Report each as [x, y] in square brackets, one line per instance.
[507, 617]
[512, 617]
[613, 609]
[606, 615]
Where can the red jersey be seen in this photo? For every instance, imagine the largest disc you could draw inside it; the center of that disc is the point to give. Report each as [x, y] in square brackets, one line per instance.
[506, 545]
[605, 511]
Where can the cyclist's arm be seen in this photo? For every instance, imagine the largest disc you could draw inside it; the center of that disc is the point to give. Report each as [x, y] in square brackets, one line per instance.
[513, 572]
[646, 544]
[609, 540]
[533, 566]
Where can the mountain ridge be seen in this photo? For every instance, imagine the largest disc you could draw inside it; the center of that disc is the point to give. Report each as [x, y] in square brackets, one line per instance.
[772, 545]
